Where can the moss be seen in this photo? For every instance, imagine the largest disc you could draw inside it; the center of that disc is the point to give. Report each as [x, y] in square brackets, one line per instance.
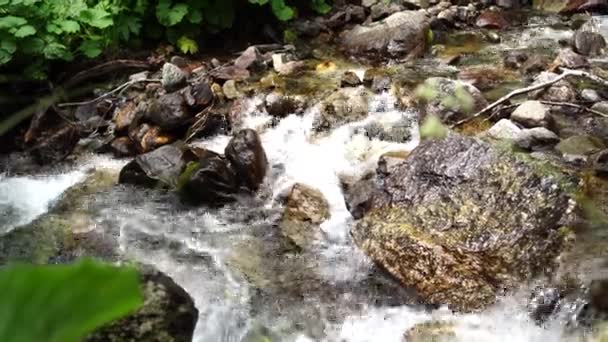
[190, 169]
[432, 128]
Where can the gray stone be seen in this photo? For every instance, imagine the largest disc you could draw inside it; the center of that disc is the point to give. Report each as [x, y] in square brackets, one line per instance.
[590, 95]
[531, 114]
[451, 100]
[345, 105]
[460, 221]
[601, 107]
[250, 59]
[571, 60]
[401, 35]
[504, 130]
[173, 77]
[588, 43]
[534, 137]
[562, 91]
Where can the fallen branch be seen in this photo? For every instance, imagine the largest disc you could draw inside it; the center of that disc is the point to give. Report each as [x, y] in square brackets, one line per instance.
[105, 68]
[574, 105]
[199, 124]
[120, 88]
[521, 91]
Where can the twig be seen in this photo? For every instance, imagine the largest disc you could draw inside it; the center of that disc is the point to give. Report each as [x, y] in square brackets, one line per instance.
[113, 91]
[201, 117]
[498, 110]
[516, 92]
[574, 105]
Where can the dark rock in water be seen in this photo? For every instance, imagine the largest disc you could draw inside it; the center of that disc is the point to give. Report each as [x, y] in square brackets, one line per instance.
[543, 303]
[248, 158]
[350, 79]
[401, 35]
[345, 15]
[588, 43]
[164, 164]
[168, 313]
[460, 221]
[173, 78]
[492, 20]
[450, 100]
[534, 65]
[571, 60]
[169, 111]
[358, 196]
[210, 181]
[57, 146]
[600, 163]
[598, 296]
[123, 147]
[280, 105]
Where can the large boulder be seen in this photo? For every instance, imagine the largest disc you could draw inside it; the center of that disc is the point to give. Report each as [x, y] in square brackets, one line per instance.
[460, 220]
[401, 35]
[169, 111]
[164, 164]
[248, 158]
[210, 180]
[167, 315]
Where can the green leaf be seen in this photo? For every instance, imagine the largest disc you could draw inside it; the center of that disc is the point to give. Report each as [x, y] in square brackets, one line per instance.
[54, 50]
[64, 303]
[195, 16]
[10, 21]
[320, 6]
[32, 45]
[53, 28]
[170, 15]
[96, 17]
[91, 48]
[187, 45]
[281, 10]
[69, 26]
[8, 45]
[432, 128]
[5, 56]
[25, 31]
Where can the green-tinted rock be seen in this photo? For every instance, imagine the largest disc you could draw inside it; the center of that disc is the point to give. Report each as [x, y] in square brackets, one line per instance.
[460, 220]
[579, 145]
[433, 331]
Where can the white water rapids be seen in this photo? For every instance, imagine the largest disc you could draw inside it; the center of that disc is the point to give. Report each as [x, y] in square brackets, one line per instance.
[206, 239]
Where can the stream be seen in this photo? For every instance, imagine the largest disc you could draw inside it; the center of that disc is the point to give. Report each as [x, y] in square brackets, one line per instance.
[231, 261]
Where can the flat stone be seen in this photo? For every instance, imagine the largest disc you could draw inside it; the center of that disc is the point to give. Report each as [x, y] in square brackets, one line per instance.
[531, 114]
[504, 130]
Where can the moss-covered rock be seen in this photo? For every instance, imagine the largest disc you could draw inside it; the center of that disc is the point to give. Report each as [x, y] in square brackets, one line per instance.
[432, 331]
[460, 220]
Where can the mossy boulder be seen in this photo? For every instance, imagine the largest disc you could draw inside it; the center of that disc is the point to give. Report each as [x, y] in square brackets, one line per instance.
[460, 220]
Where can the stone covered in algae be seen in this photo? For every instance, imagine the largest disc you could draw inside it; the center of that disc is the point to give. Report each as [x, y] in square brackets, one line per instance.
[460, 221]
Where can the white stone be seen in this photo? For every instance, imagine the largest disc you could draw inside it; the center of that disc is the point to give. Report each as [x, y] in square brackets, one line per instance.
[531, 114]
[504, 129]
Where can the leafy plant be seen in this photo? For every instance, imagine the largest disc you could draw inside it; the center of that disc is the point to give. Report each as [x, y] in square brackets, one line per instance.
[64, 303]
[42, 30]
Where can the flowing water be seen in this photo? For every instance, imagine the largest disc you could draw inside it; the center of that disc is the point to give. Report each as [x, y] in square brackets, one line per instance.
[243, 279]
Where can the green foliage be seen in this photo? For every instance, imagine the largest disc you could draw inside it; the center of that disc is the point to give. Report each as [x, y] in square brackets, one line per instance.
[64, 303]
[432, 128]
[66, 29]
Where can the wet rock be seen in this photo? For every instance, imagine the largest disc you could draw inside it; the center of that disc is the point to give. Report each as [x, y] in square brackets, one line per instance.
[588, 43]
[590, 95]
[250, 59]
[280, 105]
[168, 313]
[164, 165]
[179, 61]
[432, 331]
[601, 107]
[401, 35]
[169, 111]
[569, 6]
[291, 68]
[398, 130]
[535, 137]
[358, 195]
[247, 158]
[600, 163]
[57, 145]
[534, 65]
[562, 91]
[173, 78]
[449, 15]
[198, 95]
[543, 303]
[230, 91]
[147, 138]
[460, 221]
[383, 9]
[230, 72]
[381, 83]
[345, 105]
[306, 204]
[305, 209]
[210, 180]
[347, 14]
[532, 114]
[515, 59]
[492, 20]
[579, 145]
[123, 147]
[124, 116]
[571, 60]
[350, 79]
[450, 100]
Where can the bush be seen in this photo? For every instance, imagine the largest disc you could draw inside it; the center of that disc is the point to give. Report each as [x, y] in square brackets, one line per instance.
[43, 30]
